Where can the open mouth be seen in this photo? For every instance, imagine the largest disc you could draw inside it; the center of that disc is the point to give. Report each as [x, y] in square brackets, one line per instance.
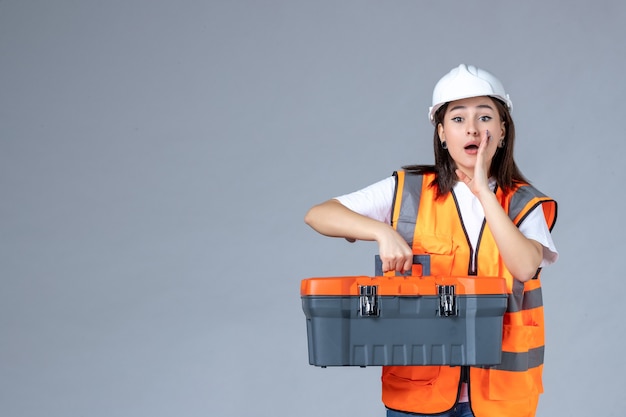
[471, 147]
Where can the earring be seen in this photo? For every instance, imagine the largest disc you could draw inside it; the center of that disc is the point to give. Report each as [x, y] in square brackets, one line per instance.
[501, 143]
[444, 145]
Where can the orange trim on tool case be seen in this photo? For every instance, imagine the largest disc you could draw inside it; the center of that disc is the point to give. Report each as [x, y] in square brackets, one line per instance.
[401, 285]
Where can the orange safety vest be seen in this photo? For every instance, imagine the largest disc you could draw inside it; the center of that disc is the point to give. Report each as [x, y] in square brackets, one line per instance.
[511, 388]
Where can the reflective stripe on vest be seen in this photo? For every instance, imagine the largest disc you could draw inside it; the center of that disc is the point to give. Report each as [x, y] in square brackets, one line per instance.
[520, 300]
[522, 361]
[404, 219]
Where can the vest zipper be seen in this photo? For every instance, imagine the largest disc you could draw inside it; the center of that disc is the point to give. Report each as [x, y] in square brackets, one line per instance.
[472, 267]
[474, 253]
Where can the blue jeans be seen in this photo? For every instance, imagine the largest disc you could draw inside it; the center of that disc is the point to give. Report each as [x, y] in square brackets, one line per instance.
[459, 410]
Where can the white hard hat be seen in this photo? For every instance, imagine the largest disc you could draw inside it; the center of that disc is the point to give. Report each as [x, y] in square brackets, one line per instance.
[466, 81]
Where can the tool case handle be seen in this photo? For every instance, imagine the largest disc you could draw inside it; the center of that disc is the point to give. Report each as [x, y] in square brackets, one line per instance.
[423, 260]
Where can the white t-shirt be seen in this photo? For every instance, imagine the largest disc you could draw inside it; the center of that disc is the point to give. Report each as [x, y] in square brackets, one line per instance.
[375, 201]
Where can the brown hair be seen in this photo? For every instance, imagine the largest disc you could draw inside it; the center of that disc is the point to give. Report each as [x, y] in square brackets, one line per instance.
[503, 167]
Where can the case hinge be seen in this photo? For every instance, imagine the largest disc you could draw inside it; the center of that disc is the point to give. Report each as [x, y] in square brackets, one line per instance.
[447, 300]
[368, 302]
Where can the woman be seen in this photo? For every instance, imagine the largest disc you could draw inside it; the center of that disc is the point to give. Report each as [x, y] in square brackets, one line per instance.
[478, 215]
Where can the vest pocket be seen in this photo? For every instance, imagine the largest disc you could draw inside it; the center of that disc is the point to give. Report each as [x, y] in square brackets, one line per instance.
[441, 250]
[418, 375]
[519, 375]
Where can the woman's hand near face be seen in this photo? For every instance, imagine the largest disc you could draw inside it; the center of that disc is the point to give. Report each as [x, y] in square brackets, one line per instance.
[479, 183]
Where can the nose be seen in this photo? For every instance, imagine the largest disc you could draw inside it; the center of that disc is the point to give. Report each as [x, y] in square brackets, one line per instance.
[471, 129]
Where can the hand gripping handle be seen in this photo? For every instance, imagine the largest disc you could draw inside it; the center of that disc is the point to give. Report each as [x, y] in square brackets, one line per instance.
[423, 260]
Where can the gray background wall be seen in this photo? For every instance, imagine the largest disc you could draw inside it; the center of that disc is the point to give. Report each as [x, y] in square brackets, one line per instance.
[157, 159]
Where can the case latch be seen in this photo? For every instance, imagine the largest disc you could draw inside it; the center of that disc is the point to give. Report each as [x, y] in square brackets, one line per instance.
[447, 300]
[368, 302]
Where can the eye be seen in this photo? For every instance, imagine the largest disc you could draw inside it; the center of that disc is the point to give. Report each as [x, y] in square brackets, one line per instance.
[485, 118]
[457, 119]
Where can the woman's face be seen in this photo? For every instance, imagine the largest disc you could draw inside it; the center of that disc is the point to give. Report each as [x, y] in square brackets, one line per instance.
[465, 124]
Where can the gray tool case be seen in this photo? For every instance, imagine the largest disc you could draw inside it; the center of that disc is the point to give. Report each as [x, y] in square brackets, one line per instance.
[404, 320]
